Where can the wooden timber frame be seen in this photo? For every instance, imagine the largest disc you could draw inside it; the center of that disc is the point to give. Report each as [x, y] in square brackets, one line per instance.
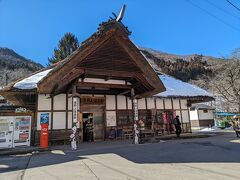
[108, 55]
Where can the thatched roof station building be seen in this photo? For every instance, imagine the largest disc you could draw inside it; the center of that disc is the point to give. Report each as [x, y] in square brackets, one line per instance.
[106, 73]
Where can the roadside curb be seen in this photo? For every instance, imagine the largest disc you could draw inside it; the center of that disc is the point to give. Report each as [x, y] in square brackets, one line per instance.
[18, 151]
[185, 137]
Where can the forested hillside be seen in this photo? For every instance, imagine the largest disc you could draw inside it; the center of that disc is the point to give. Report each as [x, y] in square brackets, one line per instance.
[13, 66]
[219, 76]
[186, 70]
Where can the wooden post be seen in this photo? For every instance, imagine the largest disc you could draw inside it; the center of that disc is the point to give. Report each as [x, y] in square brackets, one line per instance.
[180, 105]
[74, 125]
[135, 116]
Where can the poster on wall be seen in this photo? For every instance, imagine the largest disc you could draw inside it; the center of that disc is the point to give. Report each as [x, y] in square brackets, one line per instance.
[44, 118]
[111, 118]
[164, 117]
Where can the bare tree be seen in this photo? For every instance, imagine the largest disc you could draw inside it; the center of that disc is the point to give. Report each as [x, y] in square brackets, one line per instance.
[226, 82]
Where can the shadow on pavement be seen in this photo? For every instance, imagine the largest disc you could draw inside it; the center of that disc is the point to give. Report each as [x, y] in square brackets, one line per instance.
[218, 149]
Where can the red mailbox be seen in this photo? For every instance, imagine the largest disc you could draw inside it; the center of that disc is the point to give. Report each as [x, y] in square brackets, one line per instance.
[44, 136]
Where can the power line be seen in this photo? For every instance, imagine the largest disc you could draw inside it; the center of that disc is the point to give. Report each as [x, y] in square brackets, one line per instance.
[233, 5]
[222, 9]
[214, 16]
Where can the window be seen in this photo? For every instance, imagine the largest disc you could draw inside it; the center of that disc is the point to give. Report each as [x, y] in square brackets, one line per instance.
[205, 111]
[192, 108]
[124, 117]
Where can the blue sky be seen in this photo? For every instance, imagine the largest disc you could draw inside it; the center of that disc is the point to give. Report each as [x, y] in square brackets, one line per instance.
[33, 27]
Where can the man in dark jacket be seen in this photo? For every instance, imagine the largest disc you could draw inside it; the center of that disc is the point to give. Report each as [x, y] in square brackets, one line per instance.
[177, 125]
[89, 130]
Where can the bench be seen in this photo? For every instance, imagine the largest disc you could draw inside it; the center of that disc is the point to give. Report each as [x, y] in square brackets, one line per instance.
[128, 133]
[60, 136]
[148, 133]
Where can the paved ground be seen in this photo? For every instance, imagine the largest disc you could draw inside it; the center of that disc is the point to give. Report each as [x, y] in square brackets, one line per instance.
[205, 158]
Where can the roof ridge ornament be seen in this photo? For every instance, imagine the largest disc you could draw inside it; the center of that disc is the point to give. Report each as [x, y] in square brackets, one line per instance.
[121, 14]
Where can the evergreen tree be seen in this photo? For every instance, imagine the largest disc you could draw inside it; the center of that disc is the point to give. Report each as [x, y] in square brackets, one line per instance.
[66, 46]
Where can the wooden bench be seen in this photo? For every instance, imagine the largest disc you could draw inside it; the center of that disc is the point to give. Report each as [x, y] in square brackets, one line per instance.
[60, 136]
[148, 133]
[128, 133]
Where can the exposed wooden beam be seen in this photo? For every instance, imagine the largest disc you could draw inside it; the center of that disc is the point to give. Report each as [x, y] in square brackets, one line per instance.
[101, 85]
[110, 73]
[96, 91]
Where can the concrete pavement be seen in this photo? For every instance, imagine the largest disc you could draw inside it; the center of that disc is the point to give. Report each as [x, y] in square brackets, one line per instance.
[215, 157]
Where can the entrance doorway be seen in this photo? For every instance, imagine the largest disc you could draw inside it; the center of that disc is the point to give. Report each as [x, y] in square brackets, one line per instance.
[87, 127]
[92, 109]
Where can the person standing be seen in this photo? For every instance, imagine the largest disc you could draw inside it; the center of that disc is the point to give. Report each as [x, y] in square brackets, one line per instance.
[177, 125]
[89, 130]
[235, 125]
[141, 126]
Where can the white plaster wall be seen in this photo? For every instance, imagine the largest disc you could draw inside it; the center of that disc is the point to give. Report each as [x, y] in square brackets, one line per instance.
[168, 104]
[110, 102]
[69, 120]
[69, 102]
[59, 102]
[141, 103]
[129, 103]
[193, 115]
[184, 104]
[150, 103]
[185, 116]
[44, 102]
[176, 104]
[38, 120]
[111, 81]
[179, 114]
[59, 120]
[121, 102]
[205, 116]
[159, 103]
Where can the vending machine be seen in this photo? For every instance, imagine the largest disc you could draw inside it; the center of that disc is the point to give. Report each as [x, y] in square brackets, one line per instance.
[6, 131]
[22, 131]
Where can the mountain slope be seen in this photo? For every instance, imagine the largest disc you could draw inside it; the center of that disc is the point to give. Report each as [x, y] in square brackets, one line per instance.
[173, 57]
[14, 66]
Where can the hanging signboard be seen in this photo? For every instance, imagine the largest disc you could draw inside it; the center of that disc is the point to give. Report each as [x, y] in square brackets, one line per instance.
[135, 110]
[92, 100]
[75, 110]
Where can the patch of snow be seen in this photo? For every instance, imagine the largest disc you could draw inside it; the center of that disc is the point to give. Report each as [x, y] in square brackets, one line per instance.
[175, 87]
[208, 129]
[31, 82]
[229, 128]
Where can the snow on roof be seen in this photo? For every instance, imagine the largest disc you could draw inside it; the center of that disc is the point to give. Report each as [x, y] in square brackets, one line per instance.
[202, 106]
[175, 87]
[31, 81]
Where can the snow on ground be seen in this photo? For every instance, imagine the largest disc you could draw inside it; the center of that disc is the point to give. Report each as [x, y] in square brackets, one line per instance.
[210, 129]
[175, 87]
[31, 82]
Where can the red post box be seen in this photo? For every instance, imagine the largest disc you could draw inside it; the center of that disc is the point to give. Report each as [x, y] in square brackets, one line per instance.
[44, 136]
